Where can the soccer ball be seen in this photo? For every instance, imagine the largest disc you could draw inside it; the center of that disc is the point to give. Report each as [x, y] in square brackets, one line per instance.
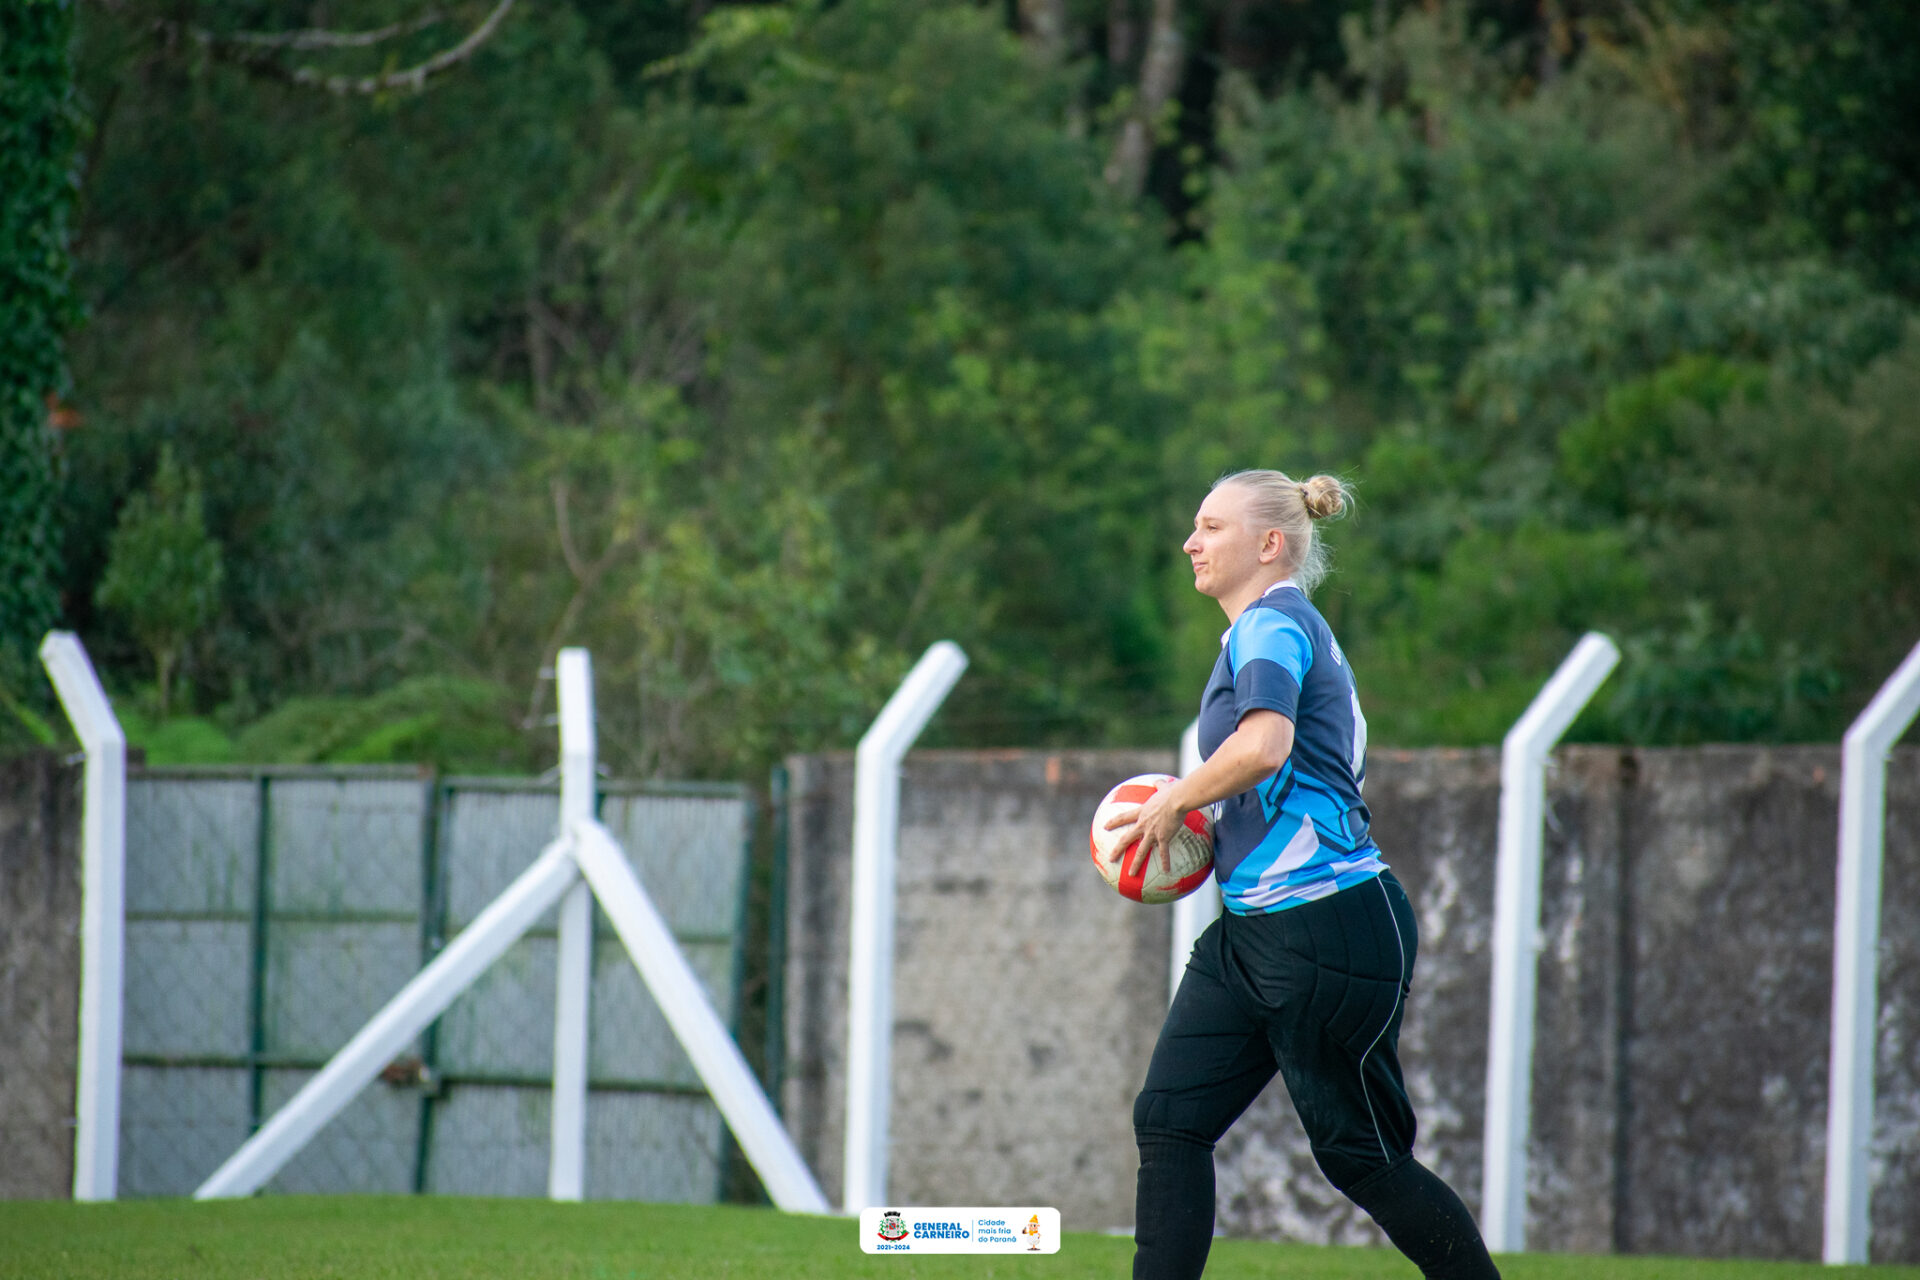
[1191, 852]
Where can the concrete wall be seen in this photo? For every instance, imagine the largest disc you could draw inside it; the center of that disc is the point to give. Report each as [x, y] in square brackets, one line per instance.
[1680, 1071]
[1026, 993]
[39, 973]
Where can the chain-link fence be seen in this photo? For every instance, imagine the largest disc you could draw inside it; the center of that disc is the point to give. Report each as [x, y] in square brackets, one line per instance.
[270, 913]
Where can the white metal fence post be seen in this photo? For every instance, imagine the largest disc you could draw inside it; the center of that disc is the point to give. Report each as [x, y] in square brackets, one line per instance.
[103, 915]
[1856, 941]
[876, 831]
[1193, 913]
[402, 1018]
[573, 956]
[1516, 931]
[684, 1004]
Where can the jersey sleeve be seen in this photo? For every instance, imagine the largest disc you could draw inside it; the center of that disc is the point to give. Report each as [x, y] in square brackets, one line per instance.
[1270, 654]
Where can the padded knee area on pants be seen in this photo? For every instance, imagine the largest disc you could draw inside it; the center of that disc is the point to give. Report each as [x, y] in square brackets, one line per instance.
[1165, 1117]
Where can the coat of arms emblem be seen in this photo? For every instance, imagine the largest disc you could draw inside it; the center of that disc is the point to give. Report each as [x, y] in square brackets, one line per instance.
[892, 1225]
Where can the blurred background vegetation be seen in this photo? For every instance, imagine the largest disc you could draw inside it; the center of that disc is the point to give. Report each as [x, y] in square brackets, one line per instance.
[756, 347]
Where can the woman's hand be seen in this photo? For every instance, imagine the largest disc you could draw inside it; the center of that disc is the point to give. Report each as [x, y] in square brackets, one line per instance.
[1153, 824]
[1253, 752]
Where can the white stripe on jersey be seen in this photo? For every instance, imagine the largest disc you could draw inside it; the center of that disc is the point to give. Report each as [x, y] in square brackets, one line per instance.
[1269, 889]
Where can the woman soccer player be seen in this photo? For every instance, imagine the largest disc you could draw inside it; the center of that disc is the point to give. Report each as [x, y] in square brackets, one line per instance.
[1308, 969]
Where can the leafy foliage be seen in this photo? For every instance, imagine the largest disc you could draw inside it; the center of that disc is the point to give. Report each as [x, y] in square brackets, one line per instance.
[1829, 90]
[163, 571]
[455, 723]
[757, 350]
[39, 127]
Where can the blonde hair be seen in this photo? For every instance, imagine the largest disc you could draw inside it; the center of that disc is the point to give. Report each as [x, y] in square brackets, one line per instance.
[1280, 502]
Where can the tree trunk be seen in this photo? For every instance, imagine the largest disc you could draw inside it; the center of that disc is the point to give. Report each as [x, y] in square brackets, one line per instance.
[1238, 51]
[1122, 33]
[163, 661]
[1555, 41]
[1159, 80]
[1377, 79]
[1044, 24]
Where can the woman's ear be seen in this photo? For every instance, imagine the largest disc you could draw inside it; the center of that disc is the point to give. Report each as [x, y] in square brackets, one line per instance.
[1272, 544]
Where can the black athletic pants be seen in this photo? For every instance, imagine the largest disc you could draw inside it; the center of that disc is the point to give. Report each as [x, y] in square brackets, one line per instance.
[1315, 992]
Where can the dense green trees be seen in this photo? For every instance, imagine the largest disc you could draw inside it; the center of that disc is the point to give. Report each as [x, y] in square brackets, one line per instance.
[758, 351]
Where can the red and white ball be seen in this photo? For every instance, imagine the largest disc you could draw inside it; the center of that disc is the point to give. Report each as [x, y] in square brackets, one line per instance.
[1190, 856]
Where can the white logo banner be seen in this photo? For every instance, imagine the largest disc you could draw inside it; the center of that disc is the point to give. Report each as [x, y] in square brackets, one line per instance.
[970, 1230]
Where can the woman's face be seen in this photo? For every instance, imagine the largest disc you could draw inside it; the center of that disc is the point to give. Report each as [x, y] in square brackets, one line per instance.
[1228, 553]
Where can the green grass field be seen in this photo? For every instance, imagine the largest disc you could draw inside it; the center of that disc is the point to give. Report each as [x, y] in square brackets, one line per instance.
[443, 1238]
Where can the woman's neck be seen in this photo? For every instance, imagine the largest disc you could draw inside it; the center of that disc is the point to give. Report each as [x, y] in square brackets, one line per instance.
[1236, 604]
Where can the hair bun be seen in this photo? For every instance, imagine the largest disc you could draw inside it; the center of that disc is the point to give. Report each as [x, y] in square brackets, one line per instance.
[1325, 497]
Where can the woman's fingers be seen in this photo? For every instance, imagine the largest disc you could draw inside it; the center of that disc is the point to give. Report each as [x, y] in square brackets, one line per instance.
[1123, 844]
[1148, 828]
[1141, 852]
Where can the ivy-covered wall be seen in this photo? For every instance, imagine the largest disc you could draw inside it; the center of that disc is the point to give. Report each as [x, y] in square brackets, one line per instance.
[38, 132]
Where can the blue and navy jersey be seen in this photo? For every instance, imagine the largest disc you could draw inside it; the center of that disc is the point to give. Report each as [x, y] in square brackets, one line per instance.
[1302, 833]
